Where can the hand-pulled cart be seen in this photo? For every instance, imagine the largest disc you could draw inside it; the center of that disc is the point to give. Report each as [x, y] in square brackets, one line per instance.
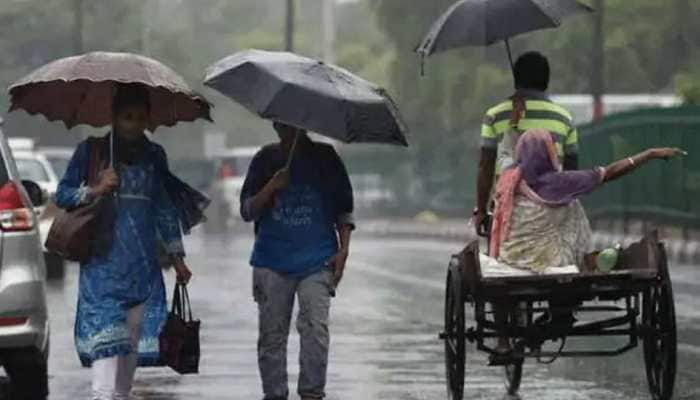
[634, 301]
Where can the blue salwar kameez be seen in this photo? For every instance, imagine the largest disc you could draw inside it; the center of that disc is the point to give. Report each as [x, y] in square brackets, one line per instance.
[128, 274]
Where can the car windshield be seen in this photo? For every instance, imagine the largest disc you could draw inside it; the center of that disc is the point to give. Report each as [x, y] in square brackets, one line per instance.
[59, 165]
[31, 169]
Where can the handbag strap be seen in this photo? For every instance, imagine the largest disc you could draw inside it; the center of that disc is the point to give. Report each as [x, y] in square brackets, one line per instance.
[181, 302]
[186, 306]
[176, 307]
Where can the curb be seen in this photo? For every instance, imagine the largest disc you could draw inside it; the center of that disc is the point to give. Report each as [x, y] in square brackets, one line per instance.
[679, 251]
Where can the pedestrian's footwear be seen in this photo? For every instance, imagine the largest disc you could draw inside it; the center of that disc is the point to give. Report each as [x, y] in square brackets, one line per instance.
[502, 354]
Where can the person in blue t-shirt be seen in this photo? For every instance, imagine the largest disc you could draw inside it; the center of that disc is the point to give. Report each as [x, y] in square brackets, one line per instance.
[299, 195]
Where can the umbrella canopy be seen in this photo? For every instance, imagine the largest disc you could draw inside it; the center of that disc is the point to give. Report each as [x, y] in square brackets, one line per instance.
[309, 94]
[484, 22]
[79, 90]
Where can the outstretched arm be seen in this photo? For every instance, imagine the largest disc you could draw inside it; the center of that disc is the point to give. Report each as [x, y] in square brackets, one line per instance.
[627, 165]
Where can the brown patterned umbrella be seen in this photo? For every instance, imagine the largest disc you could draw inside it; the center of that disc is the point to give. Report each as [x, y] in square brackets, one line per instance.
[79, 90]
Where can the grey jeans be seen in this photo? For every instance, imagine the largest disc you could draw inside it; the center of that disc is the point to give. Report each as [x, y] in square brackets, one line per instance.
[275, 295]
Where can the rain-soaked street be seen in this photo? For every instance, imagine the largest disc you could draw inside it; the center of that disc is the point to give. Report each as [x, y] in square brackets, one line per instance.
[385, 321]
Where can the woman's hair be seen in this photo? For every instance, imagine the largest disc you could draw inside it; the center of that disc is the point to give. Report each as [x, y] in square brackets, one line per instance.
[129, 95]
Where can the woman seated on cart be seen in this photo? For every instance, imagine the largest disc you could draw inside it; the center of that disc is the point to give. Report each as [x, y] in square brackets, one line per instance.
[538, 222]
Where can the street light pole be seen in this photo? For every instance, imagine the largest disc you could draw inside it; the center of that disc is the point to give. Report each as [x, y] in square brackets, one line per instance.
[78, 27]
[682, 40]
[146, 26]
[78, 48]
[329, 31]
[289, 31]
[598, 70]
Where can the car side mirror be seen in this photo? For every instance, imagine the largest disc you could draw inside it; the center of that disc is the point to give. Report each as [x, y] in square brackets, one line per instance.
[36, 194]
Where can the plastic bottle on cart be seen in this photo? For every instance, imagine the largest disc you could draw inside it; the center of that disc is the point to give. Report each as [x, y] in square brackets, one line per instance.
[607, 259]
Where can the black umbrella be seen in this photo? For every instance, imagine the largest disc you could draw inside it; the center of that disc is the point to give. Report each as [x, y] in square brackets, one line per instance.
[309, 94]
[484, 22]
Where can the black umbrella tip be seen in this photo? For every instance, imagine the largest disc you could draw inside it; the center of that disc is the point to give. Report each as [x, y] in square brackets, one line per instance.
[423, 49]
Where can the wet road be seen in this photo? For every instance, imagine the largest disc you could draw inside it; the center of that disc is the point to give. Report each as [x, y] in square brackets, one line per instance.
[384, 328]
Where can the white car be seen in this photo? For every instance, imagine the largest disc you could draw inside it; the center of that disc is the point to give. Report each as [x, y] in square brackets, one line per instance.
[232, 167]
[35, 166]
[58, 157]
[24, 324]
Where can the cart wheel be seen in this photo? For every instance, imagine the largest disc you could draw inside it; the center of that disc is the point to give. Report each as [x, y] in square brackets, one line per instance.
[660, 343]
[514, 374]
[455, 346]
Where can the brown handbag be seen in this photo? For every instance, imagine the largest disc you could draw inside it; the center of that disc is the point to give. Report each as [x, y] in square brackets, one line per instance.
[74, 232]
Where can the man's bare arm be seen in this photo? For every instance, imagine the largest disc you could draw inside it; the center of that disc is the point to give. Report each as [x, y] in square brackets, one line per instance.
[487, 171]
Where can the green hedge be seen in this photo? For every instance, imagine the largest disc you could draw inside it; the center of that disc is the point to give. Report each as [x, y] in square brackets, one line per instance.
[660, 192]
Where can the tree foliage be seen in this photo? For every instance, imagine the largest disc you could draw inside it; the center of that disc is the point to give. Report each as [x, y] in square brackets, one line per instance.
[650, 46]
[186, 35]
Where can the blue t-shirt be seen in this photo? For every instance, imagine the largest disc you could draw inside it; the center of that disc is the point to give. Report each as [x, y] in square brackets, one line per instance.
[297, 235]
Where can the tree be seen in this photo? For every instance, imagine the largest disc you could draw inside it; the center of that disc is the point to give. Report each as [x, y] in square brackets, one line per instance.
[645, 44]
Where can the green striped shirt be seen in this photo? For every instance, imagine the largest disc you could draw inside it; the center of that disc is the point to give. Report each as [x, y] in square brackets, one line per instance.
[540, 113]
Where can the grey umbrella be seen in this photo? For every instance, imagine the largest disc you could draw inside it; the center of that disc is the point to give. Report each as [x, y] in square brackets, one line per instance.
[484, 22]
[309, 94]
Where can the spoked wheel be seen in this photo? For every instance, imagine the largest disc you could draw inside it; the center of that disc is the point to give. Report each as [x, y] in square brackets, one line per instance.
[514, 374]
[455, 350]
[660, 343]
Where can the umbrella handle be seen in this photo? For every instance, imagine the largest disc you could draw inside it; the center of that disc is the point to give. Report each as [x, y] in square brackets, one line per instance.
[115, 195]
[510, 57]
[111, 149]
[292, 151]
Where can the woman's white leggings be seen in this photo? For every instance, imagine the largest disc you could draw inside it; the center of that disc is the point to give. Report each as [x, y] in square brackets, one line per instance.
[112, 377]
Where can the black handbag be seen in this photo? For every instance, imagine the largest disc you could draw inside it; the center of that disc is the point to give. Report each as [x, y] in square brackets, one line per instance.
[179, 340]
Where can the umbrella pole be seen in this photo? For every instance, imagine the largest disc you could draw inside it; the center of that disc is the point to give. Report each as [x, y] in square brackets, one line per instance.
[510, 58]
[291, 152]
[111, 149]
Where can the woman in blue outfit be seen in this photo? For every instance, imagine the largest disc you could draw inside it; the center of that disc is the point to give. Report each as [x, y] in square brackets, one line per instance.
[121, 297]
